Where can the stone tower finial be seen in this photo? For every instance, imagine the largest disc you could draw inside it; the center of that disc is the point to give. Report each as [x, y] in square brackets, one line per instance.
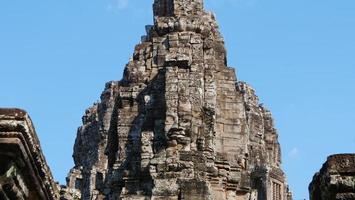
[177, 7]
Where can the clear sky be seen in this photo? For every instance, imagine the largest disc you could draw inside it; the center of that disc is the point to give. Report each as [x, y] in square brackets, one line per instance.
[299, 55]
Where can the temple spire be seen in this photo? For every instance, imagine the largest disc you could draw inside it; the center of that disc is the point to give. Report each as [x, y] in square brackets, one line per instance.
[177, 7]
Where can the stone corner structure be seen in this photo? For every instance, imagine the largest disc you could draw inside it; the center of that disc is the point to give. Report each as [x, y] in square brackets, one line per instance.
[336, 179]
[179, 125]
[24, 173]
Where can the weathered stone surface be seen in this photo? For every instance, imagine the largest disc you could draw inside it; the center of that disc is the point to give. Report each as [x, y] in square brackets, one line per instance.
[336, 179]
[178, 125]
[24, 173]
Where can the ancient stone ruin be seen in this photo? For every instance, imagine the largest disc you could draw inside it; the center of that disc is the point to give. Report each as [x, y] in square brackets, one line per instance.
[24, 173]
[179, 125]
[336, 179]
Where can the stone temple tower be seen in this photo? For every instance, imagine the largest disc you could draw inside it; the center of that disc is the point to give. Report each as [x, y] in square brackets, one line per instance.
[179, 125]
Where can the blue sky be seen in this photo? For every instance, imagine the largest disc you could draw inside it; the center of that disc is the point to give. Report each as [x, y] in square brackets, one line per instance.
[299, 55]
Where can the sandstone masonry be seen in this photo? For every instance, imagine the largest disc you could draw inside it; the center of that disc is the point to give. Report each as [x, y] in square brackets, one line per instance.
[336, 179]
[179, 125]
[24, 173]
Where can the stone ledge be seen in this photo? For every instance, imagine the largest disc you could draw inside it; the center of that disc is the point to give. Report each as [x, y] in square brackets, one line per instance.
[20, 149]
[335, 180]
